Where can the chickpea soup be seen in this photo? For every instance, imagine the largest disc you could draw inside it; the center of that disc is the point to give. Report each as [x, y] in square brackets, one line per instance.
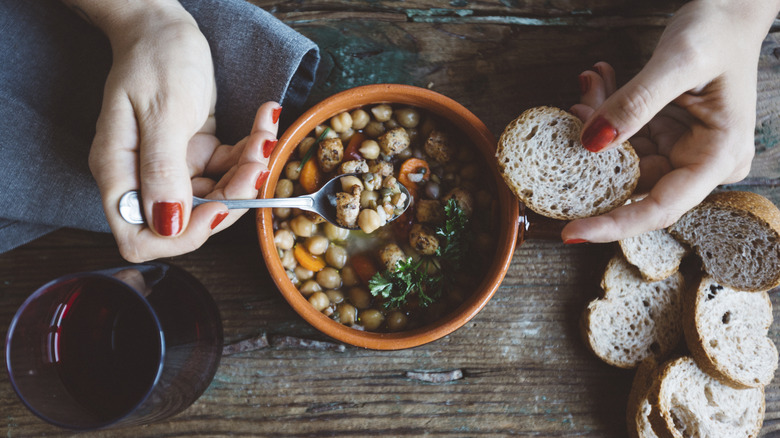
[389, 275]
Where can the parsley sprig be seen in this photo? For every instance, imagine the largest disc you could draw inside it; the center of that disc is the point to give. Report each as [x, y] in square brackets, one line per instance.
[307, 156]
[412, 278]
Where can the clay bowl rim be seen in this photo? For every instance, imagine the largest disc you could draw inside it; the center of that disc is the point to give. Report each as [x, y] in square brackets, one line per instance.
[477, 132]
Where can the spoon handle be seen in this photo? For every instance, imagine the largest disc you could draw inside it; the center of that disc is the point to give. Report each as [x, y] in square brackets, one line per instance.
[303, 202]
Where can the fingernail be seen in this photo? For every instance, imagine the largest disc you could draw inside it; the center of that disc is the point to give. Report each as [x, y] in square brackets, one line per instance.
[167, 217]
[598, 135]
[261, 179]
[268, 147]
[574, 241]
[597, 69]
[275, 114]
[584, 83]
[218, 219]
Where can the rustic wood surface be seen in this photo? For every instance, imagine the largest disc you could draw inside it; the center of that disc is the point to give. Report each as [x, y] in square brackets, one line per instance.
[519, 367]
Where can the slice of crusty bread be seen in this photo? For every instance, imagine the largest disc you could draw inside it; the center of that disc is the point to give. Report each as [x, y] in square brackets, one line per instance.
[687, 402]
[544, 163]
[635, 318]
[656, 253]
[737, 236]
[639, 407]
[726, 331]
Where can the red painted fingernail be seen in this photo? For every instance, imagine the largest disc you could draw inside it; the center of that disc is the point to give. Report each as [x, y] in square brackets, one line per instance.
[218, 219]
[261, 179]
[276, 113]
[584, 83]
[268, 147]
[574, 241]
[167, 218]
[598, 135]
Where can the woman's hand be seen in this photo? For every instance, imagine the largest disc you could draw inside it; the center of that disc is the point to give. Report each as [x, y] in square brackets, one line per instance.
[690, 115]
[156, 131]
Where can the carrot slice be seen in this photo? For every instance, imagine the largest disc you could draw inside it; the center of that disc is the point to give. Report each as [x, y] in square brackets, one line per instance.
[410, 166]
[308, 260]
[311, 176]
[363, 266]
[352, 152]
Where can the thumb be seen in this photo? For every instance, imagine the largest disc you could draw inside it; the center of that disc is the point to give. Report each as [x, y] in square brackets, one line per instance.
[165, 178]
[632, 106]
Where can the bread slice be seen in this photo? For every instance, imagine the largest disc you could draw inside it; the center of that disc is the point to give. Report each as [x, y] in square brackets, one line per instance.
[542, 160]
[726, 331]
[656, 253]
[737, 236]
[687, 402]
[635, 319]
[639, 408]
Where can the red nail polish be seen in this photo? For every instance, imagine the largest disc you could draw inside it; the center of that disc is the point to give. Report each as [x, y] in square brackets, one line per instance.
[574, 241]
[167, 218]
[276, 113]
[584, 83]
[598, 135]
[218, 219]
[261, 179]
[268, 147]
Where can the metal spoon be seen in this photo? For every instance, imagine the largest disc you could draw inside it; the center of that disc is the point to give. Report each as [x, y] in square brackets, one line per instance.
[322, 202]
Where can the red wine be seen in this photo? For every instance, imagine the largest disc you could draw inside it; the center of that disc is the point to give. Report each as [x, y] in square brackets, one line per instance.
[107, 347]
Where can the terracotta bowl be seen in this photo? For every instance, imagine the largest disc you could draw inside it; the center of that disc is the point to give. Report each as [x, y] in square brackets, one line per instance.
[480, 137]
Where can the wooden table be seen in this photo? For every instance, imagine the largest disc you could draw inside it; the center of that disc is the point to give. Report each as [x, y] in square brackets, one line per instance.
[525, 370]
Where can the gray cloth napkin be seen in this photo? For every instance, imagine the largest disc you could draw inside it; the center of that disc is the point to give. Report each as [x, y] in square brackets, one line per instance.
[53, 67]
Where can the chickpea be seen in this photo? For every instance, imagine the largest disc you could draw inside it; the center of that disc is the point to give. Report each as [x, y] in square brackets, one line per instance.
[374, 129]
[382, 113]
[335, 296]
[369, 199]
[360, 119]
[341, 122]
[317, 244]
[347, 313]
[284, 239]
[302, 226]
[348, 276]
[346, 135]
[321, 128]
[284, 188]
[293, 278]
[309, 287]
[396, 321]
[408, 117]
[292, 170]
[371, 319]
[359, 297]
[288, 260]
[282, 213]
[335, 233]
[329, 278]
[336, 256]
[348, 181]
[303, 274]
[392, 124]
[404, 154]
[369, 221]
[369, 149]
[304, 145]
[319, 301]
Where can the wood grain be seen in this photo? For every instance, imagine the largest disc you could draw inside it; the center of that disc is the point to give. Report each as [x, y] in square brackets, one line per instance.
[519, 367]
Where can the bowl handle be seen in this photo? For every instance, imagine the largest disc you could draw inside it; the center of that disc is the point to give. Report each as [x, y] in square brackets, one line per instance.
[535, 226]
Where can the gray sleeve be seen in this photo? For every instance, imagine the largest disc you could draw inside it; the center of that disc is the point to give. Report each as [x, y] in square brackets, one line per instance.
[54, 66]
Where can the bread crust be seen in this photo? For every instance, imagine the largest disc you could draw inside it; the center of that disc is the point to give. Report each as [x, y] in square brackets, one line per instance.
[553, 186]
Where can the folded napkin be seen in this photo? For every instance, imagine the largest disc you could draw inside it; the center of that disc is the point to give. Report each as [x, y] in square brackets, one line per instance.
[54, 66]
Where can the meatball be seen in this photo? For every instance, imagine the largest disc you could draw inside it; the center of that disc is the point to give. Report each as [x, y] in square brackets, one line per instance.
[330, 153]
[422, 239]
[464, 199]
[394, 141]
[380, 167]
[348, 207]
[437, 146]
[353, 166]
[429, 211]
[390, 255]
